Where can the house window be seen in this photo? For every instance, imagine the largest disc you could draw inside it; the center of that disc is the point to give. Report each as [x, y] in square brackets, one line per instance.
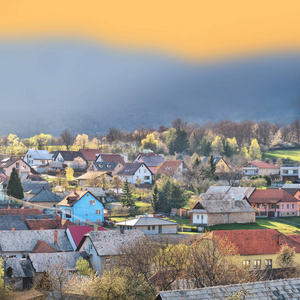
[197, 217]
[90, 248]
[98, 212]
[153, 227]
[257, 264]
[54, 205]
[268, 263]
[293, 205]
[139, 170]
[68, 213]
[285, 172]
[92, 202]
[17, 165]
[287, 206]
[146, 177]
[246, 263]
[295, 172]
[149, 227]
[282, 206]
[107, 261]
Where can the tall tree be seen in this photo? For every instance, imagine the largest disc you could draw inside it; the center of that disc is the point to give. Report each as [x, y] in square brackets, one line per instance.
[217, 146]
[67, 138]
[150, 142]
[254, 150]
[193, 143]
[126, 199]
[212, 166]
[14, 186]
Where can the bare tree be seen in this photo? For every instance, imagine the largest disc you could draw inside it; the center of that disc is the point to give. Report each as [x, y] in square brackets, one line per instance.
[67, 138]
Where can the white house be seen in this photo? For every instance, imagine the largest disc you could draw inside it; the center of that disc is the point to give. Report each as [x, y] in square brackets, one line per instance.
[259, 168]
[37, 157]
[133, 171]
[290, 172]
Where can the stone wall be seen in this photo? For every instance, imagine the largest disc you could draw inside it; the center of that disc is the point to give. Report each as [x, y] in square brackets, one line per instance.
[228, 218]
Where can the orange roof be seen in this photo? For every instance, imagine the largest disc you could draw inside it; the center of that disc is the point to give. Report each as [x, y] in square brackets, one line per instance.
[20, 211]
[72, 198]
[169, 167]
[261, 165]
[48, 224]
[271, 196]
[43, 247]
[258, 241]
[90, 154]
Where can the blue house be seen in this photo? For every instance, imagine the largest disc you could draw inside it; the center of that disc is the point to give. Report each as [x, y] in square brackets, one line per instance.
[81, 206]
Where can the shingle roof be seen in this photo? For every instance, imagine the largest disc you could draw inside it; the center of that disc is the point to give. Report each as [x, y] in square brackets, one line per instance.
[54, 223]
[271, 196]
[261, 165]
[291, 191]
[109, 242]
[72, 198]
[262, 290]
[43, 247]
[9, 222]
[21, 267]
[146, 221]
[6, 162]
[45, 196]
[257, 241]
[131, 168]
[90, 154]
[34, 187]
[227, 192]
[43, 261]
[151, 159]
[69, 155]
[40, 154]
[26, 240]
[108, 157]
[77, 232]
[21, 211]
[169, 167]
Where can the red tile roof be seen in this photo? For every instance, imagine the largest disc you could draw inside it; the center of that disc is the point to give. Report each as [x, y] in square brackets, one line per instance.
[169, 167]
[20, 211]
[112, 158]
[77, 232]
[90, 154]
[261, 165]
[48, 224]
[43, 247]
[271, 196]
[258, 241]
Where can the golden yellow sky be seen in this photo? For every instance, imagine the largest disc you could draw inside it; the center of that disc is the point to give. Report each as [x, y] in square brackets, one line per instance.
[194, 28]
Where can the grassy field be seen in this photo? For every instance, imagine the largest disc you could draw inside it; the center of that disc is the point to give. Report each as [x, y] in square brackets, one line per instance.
[291, 154]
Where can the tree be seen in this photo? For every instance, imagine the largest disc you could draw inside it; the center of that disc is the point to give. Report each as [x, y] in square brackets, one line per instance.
[244, 152]
[127, 200]
[113, 135]
[41, 141]
[254, 150]
[93, 179]
[83, 266]
[205, 147]
[67, 138]
[14, 186]
[212, 166]
[286, 257]
[277, 139]
[117, 183]
[150, 142]
[155, 198]
[69, 174]
[217, 146]
[230, 147]
[82, 141]
[193, 143]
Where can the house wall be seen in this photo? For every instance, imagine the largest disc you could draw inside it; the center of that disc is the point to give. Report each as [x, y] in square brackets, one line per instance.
[199, 218]
[222, 166]
[23, 169]
[40, 205]
[264, 172]
[165, 229]
[228, 218]
[139, 174]
[83, 211]
[283, 209]
[289, 173]
[59, 158]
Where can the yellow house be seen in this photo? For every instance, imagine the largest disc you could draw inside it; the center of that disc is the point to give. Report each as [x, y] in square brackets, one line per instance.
[258, 248]
[222, 166]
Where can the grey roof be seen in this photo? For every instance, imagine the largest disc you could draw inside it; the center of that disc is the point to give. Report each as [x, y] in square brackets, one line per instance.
[34, 187]
[105, 166]
[228, 192]
[263, 290]
[222, 206]
[109, 242]
[40, 154]
[146, 221]
[152, 160]
[291, 191]
[26, 240]
[69, 155]
[291, 186]
[21, 267]
[216, 159]
[56, 164]
[130, 169]
[45, 196]
[42, 261]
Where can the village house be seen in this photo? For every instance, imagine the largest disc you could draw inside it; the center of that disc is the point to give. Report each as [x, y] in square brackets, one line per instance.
[81, 206]
[149, 225]
[259, 168]
[152, 160]
[20, 243]
[290, 172]
[48, 223]
[38, 159]
[108, 167]
[90, 155]
[74, 159]
[173, 168]
[134, 171]
[7, 165]
[92, 178]
[103, 246]
[258, 248]
[294, 191]
[109, 158]
[32, 188]
[274, 203]
[222, 166]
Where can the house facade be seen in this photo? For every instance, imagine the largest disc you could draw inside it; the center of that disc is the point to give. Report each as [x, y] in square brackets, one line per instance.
[152, 160]
[222, 166]
[173, 168]
[259, 168]
[274, 203]
[81, 206]
[37, 157]
[134, 171]
[74, 159]
[289, 172]
[19, 164]
[112, 167]
[110, 157]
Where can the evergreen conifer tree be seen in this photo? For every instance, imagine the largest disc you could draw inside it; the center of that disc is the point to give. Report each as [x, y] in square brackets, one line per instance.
[212, 165]
[155, 198]
[14, 186]
[127, 195]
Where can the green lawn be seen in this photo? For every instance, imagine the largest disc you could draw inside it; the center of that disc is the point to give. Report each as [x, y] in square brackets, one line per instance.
[263, 223]
[291, 154]
[140, 204]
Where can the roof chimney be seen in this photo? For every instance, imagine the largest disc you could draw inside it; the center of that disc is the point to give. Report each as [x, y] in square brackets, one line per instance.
[279, 239]
[13, 229]
[95, 228]
[8, 207]
[55, 237]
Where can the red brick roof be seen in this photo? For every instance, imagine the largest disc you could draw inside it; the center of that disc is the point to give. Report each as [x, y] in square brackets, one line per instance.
[261, 165]
[169, 167]
[112, 158]
[271, 196]
[77, 232]
[258, 241]
[20, 211]
[90, 154]
[48, 224]
[43, 247]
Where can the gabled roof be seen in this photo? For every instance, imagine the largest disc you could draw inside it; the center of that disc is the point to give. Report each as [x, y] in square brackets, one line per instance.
[40, 154]
[69, 155]
[131, 168]
[44, 224]
[261, 165]
[291, 186]
[227, 192]
[109, 242]
[43, 261]
[34, 187]
[77, 232]
[45, 196]
[21, 267]
[6, 162]
[90, 154]
[105, 166]
[150, 159]
[291, 191]
[35, 177]
[26, 240]
[271, 196]
[75, 196]
[21, 211]
[169, 167]
[43, 247]
[109, 157]
[257, 241]
[147, 221]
